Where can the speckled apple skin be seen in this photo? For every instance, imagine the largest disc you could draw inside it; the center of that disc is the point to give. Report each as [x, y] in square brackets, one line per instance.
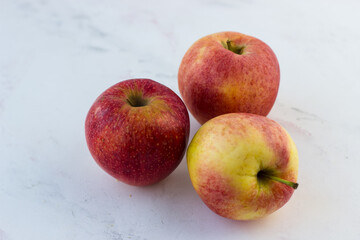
[138, 145]
[225, 156]
[213, 80]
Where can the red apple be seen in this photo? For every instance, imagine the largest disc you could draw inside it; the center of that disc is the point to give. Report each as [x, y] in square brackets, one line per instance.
[228, 72]
[243, 166]
[137, 131]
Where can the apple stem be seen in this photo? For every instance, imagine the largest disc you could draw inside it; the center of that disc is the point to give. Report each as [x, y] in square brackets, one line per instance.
[290, 184]
[235, 49]
[130, 102]
[228, 43]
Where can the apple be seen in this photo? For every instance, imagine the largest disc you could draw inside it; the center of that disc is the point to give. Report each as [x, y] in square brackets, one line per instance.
[137, 131]
[228, 72]
[243, 166]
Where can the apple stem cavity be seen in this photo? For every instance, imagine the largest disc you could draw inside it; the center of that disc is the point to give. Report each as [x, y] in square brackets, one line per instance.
[235, 49]
[136, 100]
[262, 174]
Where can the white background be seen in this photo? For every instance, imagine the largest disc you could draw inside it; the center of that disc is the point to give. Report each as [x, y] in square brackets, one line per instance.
[56, 57]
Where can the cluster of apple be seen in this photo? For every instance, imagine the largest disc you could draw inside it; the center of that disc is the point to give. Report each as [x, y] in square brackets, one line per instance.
[243, 165]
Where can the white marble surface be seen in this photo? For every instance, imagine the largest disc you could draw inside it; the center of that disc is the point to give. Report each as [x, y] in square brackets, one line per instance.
[56, 57]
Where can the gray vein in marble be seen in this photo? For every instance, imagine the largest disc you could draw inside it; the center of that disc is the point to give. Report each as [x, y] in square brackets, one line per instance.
[97, 49]
[309, 116]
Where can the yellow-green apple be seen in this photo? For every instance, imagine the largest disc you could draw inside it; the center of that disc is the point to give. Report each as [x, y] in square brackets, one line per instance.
[243, 166]
[228, 72]
[137, 131]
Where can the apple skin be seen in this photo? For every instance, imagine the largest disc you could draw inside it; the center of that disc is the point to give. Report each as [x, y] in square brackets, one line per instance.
[214, 80]
[138, 145]
[225, 157]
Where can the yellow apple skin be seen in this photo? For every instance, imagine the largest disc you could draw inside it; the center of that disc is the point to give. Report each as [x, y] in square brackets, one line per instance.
[224, 159]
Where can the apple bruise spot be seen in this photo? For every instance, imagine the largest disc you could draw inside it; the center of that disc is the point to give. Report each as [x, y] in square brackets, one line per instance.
[126, 151]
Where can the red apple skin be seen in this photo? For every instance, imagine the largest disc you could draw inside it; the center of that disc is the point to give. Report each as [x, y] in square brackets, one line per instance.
[214, 80]
[138, 145]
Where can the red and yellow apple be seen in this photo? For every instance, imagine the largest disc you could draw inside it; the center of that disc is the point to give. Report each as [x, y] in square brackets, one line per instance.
[137, 131]
[243, 166]
[228, 72]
